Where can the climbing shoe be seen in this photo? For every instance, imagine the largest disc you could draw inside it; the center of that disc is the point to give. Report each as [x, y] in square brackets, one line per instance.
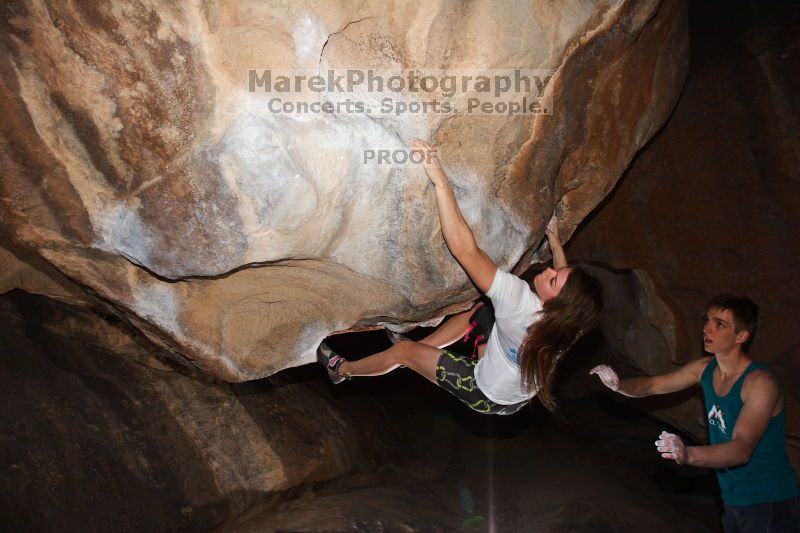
[331, 361]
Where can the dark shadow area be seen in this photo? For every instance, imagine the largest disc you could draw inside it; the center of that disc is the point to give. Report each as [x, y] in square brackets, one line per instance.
[67, 416]
[148, 442]
[101, 435]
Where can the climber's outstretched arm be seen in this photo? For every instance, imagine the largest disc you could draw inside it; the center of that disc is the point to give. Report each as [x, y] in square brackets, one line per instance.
[559, 256]
[457, 233]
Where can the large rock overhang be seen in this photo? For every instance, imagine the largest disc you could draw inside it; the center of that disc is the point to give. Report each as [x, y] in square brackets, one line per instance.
[141, 174]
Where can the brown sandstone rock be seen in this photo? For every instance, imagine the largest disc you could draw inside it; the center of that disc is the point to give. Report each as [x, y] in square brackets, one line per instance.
[137, 163]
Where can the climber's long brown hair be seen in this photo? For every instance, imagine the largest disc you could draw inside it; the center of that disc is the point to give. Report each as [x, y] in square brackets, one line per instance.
[565, 318]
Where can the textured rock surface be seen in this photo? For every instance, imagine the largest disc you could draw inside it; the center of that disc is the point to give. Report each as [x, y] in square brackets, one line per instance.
[99, 435]
[138, 166]
[712, 204]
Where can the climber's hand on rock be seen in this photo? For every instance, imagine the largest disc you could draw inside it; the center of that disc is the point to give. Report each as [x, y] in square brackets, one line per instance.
[671, 446]
[430, 160]
[552, 229]
[607, 375]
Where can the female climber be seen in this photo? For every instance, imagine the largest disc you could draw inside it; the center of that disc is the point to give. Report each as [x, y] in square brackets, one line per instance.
[531, 330]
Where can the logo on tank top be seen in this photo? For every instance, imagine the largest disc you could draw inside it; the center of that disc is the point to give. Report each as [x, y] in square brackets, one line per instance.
[716, 417]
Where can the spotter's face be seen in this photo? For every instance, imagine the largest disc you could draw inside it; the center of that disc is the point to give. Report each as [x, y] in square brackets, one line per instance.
[719, 332]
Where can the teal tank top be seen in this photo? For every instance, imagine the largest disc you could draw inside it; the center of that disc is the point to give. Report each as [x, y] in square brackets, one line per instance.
[768, 476]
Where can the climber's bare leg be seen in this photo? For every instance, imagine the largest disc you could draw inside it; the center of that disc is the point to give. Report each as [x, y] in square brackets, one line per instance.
[419, 357]
[452, 330]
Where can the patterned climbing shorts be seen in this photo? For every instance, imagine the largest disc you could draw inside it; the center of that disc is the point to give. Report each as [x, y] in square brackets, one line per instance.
[456, 374]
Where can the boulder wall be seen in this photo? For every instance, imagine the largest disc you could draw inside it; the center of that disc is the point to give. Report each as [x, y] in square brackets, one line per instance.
[141, 175]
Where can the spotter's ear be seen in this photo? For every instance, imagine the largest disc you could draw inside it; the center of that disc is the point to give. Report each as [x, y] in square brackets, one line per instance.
[742, 336]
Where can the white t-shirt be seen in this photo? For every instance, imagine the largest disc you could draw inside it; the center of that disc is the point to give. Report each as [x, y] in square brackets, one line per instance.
[516, 307]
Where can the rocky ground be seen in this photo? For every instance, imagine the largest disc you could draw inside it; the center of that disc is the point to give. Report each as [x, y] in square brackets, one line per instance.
[516, 475]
